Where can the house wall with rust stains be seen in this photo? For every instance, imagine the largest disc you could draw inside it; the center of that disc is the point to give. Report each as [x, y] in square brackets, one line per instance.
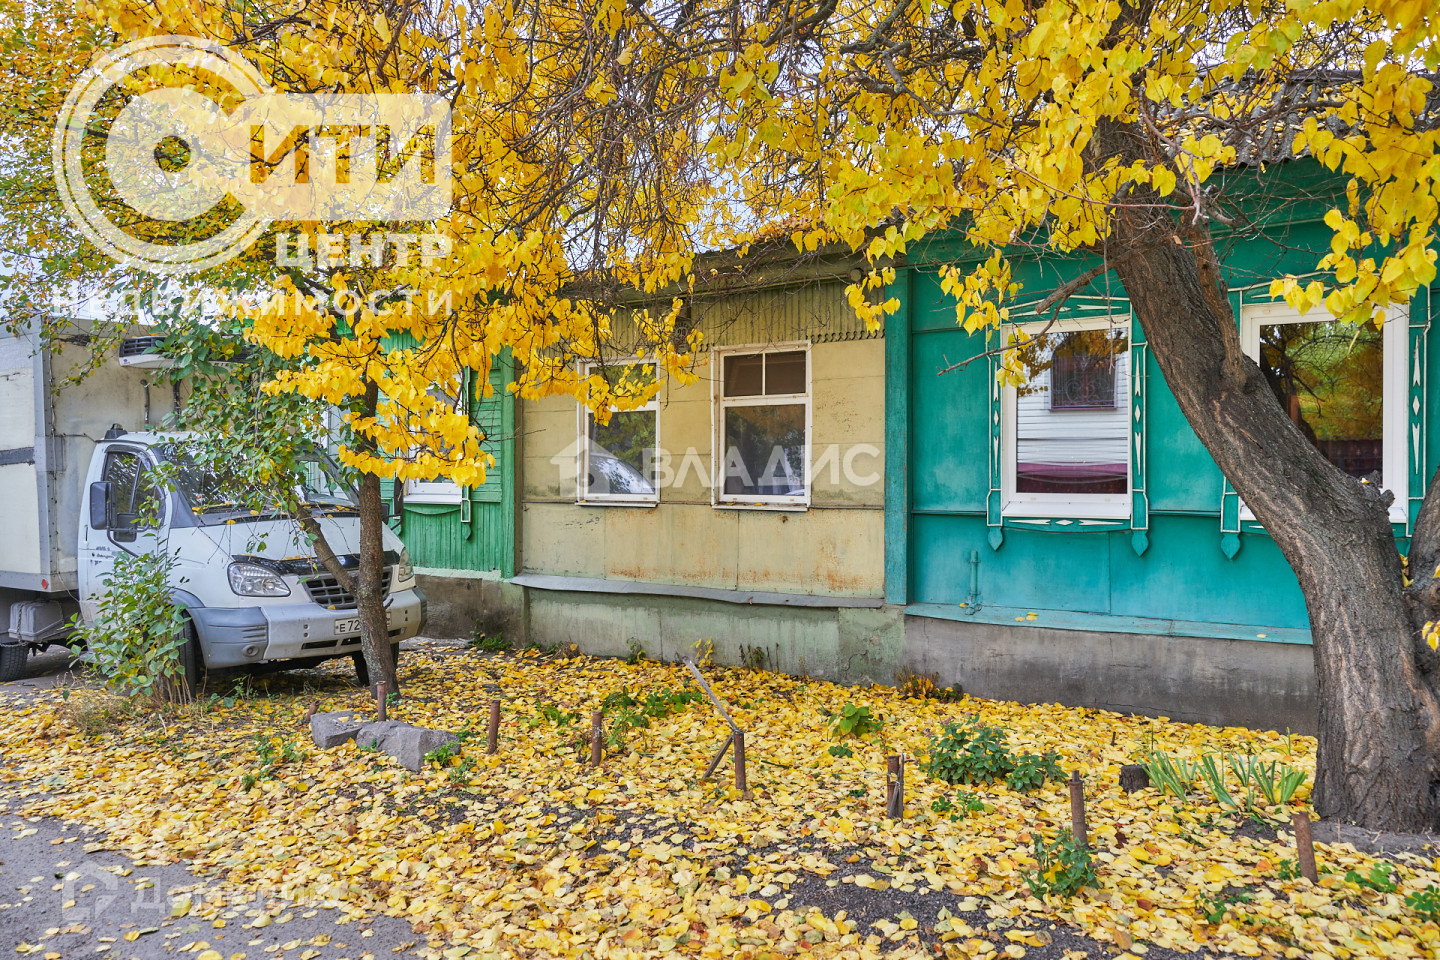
[833, 548]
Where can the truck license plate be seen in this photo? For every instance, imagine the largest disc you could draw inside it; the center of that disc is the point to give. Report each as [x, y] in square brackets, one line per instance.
[347, 627]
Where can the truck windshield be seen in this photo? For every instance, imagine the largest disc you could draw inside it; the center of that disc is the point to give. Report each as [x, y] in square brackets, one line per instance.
[217, 494]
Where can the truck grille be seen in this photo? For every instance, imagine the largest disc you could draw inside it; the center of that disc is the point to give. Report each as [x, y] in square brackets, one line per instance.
[325, 590]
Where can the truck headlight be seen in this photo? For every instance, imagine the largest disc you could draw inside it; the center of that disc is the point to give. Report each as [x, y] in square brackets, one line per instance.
[403, 570]
[253, 580]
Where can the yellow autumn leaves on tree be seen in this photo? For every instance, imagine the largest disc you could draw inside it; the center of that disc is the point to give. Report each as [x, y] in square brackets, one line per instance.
[597, 148]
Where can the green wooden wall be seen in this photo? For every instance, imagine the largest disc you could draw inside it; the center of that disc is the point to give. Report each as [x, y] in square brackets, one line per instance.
[1178, 565]
[477, 534]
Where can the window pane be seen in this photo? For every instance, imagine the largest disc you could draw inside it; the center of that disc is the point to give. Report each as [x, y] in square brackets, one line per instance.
[1329, 377]
[622, 455]
[1072, 414]
[743, 375]
[785, 372]
[765, 451]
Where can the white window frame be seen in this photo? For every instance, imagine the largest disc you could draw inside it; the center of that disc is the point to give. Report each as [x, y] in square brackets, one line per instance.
[720, 403]
[444, 491]
[1088, 506]
[1394, 470]
[582, 459]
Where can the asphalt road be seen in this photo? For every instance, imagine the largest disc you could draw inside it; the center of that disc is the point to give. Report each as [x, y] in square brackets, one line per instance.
[61, 897]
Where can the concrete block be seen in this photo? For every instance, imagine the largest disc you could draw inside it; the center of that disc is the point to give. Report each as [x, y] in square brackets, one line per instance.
[405, 742]
[332, 729]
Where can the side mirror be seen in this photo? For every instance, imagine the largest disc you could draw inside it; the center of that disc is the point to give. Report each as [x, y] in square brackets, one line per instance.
[386, 511]
[100, 504]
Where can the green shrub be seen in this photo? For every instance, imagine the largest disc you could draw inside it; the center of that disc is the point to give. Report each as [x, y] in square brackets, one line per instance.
[1032, 770]
[853, 721]
[1063, 867]
[969, 753]
[841, 751]
[976, 753]
[138, 632]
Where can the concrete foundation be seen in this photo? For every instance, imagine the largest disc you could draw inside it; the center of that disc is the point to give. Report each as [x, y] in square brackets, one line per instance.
[1222, 682]
[459, 605]
[1245, 683]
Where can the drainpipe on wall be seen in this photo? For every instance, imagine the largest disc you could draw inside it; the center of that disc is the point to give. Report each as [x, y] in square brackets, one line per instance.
[972, 602]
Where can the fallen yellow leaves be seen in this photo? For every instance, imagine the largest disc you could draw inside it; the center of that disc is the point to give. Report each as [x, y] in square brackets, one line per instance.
[532, 850]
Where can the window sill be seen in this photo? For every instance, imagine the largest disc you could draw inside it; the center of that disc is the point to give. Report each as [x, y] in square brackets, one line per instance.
[1068, 509]
[784, 506]
[646, 504]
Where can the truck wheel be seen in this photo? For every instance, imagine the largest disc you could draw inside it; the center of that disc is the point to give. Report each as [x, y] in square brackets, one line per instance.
[12, 661]
[362, 670]
[192, 662]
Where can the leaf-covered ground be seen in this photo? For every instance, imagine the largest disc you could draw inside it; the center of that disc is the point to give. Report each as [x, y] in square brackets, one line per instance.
[533, 853]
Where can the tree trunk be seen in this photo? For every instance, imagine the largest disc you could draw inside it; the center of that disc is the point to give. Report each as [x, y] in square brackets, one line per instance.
[370, 592]
[1379, 714]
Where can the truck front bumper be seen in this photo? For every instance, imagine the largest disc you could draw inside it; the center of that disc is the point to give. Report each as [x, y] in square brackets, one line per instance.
[236, 636]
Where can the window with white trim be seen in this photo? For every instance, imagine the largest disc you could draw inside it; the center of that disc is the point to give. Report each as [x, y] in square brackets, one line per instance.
[618, 458]
[1065, 431]
[441, 489]
[1343, 385]
[762, 426]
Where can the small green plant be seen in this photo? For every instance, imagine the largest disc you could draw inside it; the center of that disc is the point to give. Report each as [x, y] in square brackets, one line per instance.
[460, 774]
[841, 751]
[637, 652]
[754, 659]
[1170, 774]
[1032, 770]
[1381, 879]
[910, 682]
[853, 721]
[961, 807]
[270, 756]
[1426, 903]
[443, 754]
[561, 718]
[1214, 777]
[857, 792]
[482, 639]
[1062, 867]
[969, 753]
[1288, 870]
[1213, 909]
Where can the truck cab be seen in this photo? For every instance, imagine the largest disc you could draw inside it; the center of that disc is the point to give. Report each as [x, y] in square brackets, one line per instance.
[248, 580]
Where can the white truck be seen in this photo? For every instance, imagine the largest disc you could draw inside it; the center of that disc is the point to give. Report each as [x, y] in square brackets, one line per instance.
[74, 492]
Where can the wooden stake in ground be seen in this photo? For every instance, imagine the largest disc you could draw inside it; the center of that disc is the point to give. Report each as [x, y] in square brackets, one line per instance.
[309, 712]
[895, 787]
[492, 731]
[736, 738]
[380, 700]
[1305, 846]
[739, 737]
[1077, 809]
[597, 722]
